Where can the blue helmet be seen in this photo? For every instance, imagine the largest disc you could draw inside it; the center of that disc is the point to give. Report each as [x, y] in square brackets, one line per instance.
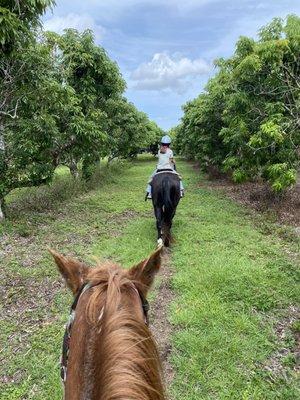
[166, 139]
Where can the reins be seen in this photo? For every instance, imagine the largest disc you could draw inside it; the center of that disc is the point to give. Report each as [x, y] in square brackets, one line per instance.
[67, 334]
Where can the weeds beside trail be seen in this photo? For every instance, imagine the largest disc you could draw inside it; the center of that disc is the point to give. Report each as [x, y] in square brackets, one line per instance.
[235, 286]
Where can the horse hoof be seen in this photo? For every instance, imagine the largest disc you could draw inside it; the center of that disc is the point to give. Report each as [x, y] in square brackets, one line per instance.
[160, 242]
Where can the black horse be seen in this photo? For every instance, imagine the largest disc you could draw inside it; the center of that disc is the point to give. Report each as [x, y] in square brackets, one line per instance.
[165, 198]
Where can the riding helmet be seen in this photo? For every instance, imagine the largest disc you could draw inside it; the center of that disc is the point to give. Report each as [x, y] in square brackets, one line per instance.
[166, 139]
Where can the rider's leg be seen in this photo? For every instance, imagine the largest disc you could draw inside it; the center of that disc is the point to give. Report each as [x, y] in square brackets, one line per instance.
[149, 188]
[158, 215]
[181, 188]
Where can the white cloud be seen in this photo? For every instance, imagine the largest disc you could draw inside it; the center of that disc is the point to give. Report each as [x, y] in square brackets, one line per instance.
[168, 72]
[75, 21]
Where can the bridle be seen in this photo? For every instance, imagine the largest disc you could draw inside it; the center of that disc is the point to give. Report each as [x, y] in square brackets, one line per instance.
[67, 334]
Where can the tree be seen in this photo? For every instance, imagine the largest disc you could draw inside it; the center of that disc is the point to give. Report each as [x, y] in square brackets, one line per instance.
[60, 115]
[262, 113]
[128, 129]
[61, 102]
[96, 81]
[247, 121]
[18, 21]
[198, 135]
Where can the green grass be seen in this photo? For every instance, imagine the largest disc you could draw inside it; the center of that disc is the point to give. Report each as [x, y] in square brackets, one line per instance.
[235, 278]
[233, 284]
[105, 221]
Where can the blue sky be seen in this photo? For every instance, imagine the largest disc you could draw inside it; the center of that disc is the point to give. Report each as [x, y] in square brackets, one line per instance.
[165, 48]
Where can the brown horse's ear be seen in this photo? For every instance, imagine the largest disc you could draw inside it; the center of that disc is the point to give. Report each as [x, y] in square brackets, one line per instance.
[144, 272]
[73, 271]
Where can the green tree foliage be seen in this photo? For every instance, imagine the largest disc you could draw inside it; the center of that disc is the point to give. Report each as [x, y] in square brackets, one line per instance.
[248, 120]
[156, 133]
[61, 102]
[117, 128]
[18, 18]
[94, 80]
[17, 23]
[128, 129]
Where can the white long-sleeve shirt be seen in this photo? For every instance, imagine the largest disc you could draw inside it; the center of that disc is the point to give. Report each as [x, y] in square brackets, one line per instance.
[164, 161]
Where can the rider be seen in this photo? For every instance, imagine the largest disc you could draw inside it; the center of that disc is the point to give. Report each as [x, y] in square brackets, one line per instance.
[166, 161]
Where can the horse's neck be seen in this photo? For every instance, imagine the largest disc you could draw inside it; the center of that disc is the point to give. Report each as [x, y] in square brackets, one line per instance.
[119, 361]
[78, 357]
[130, 367]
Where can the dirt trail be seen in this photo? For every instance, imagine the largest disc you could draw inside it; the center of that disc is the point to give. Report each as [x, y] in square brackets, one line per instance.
[161, 328]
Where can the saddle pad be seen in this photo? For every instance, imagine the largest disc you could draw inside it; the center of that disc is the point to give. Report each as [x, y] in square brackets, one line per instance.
[168, 171]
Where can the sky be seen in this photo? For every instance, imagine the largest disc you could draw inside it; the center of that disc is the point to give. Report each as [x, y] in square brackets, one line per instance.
[165, 49]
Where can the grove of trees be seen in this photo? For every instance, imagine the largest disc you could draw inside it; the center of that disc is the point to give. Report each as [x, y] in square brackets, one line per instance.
[61, 102]
[247, 122]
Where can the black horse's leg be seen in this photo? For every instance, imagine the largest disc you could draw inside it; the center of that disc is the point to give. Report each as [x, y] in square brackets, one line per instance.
[167, 232]
[167, 225]
[158, 215]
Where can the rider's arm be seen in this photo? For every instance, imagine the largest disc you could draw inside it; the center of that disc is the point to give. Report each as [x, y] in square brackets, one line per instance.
[172, 159]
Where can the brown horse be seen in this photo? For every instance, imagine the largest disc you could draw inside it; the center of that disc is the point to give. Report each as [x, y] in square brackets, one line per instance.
[110, 354]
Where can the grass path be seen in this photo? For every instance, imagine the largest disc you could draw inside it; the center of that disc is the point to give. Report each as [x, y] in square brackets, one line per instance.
[236, 289]
[236, 307]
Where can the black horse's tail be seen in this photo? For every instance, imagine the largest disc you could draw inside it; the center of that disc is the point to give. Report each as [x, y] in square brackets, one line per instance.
[166, 194]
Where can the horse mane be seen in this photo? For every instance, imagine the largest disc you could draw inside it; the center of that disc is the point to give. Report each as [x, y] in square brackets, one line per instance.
[123, 357]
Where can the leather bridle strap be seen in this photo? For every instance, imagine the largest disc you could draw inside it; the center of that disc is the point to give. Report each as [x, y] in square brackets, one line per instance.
[67, 334]
[145, 307]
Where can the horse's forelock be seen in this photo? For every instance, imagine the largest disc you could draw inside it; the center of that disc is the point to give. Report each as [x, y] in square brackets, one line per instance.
[108, 281]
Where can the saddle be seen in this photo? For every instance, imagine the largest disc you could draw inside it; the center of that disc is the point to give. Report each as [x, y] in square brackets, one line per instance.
[168, 170]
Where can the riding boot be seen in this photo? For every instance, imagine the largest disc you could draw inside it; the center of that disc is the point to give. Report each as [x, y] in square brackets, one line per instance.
[148, 196]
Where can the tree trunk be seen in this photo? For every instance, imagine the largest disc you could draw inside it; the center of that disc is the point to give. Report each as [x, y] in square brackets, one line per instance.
[2, 146]
[2, 215]
[110, 159]
[2, 150]
[74, 169]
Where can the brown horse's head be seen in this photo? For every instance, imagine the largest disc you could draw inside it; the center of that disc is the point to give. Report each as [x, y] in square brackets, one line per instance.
[112, 354]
